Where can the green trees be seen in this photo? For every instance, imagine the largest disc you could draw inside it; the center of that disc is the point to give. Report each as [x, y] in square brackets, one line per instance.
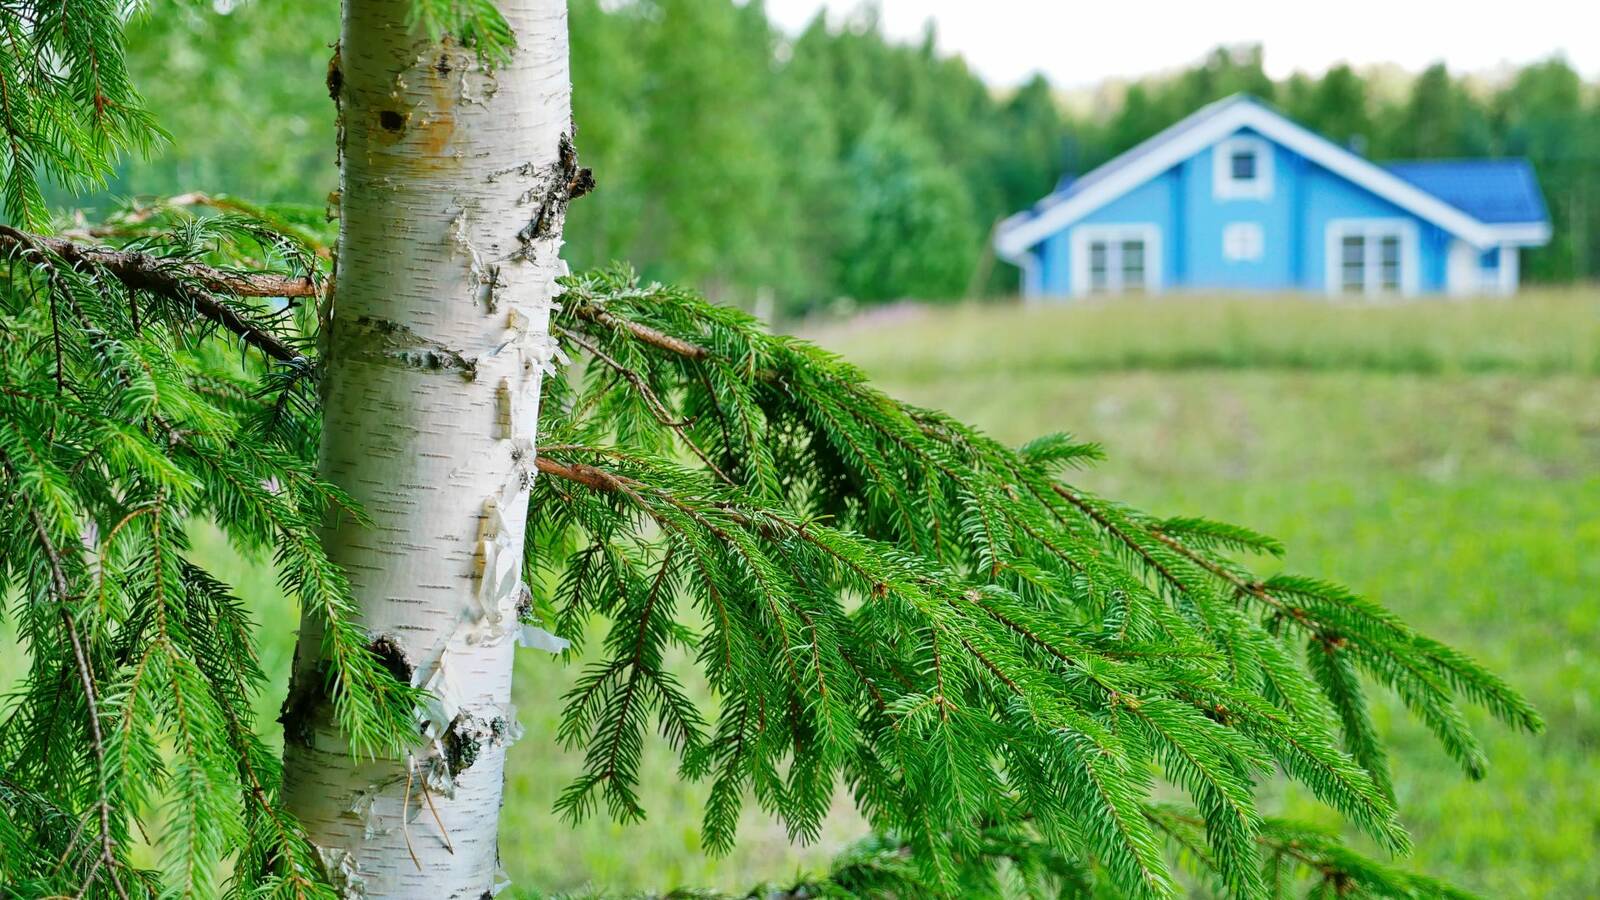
[1001, 669]
[726, 143]
[907, 228]
[1547, 117]
[1335, 105]
[1437, 120]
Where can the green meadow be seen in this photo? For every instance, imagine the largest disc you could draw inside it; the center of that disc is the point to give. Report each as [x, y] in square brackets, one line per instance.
[1443, 457]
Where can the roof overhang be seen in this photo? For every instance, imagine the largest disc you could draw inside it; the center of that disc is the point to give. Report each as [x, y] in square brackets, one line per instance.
[1017, 235]
[1526, 234]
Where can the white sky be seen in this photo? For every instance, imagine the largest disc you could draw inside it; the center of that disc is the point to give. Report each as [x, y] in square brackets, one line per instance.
[1077, 43]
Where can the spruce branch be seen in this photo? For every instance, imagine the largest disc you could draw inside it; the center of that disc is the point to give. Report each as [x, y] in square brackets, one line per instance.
[63, 597]
[182, 281]
[1007, 573]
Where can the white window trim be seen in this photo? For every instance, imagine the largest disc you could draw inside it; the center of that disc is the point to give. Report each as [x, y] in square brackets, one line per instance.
[1113, 235]
[1372, 230]
[1243, 242]
[1223, 185]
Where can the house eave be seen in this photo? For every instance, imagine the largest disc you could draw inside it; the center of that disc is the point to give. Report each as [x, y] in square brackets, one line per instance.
[1522, 234]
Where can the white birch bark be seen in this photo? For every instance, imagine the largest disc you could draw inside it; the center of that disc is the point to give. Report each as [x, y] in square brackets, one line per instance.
[454, 182]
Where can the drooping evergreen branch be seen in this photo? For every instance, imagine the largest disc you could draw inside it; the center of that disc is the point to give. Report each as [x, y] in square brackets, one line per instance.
[63, 596]
[67, 106]
[1002, 537]
[123, 420]
[179, 280]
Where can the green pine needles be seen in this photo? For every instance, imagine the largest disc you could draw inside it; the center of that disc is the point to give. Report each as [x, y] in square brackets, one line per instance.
[67, 107]
[1005, 672]
[122, 420]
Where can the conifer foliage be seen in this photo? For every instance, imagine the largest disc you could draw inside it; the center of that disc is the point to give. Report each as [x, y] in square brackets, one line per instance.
[1002, 669]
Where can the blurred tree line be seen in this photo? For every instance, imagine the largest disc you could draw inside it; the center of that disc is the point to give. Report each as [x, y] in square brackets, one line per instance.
[832, 163]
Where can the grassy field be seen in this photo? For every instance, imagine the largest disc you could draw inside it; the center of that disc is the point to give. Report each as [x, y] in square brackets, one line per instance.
[1442, 457]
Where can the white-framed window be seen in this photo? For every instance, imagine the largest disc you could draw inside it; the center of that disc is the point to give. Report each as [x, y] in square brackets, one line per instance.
[1116, 259]
[1242, 241]
[1241, 168]
[1372, 257]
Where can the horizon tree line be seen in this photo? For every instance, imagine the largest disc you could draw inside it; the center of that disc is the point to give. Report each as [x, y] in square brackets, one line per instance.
[833, 163]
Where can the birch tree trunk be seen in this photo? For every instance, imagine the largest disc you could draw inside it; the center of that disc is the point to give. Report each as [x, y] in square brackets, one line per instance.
[454, 184]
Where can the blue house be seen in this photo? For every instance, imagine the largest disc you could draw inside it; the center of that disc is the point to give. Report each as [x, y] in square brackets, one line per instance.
[1237, 197]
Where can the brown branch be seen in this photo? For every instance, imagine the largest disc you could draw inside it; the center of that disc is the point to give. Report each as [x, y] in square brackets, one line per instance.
[120, 223]
[61, 587]
[129, 222]
[147, 271]
[1252, 588]
[657, 408]
[645, 333]
[588, 476]
[187, 282]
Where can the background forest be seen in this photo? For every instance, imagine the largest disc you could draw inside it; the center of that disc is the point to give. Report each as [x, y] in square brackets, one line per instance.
[832, 164]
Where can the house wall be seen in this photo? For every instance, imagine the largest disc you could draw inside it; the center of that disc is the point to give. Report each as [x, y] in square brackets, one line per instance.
[1294, 221]
[1207, 266]
[1327, 198]
[1149, 203]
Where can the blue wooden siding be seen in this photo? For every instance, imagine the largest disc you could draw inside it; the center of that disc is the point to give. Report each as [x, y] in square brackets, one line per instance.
[1329, 197]
[1208, 267]
[1294, 222]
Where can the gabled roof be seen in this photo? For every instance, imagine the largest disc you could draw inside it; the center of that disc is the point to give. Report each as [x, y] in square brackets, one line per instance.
[1497, 191]
[1215, 121]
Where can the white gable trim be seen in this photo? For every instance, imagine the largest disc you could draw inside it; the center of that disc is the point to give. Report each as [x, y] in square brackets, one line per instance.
[1014, 241]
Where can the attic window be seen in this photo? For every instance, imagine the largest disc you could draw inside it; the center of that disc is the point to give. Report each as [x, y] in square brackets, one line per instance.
[1243, 168]
[1243, 163]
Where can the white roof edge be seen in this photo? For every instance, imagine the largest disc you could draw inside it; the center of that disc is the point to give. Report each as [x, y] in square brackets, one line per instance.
[1013, 241]
[1532, 234]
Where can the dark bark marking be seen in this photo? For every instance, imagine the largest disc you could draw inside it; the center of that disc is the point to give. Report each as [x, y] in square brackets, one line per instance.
[467, 737]
[567, 181]
[390, 343]
[462, 741]
[299, 711]
[335, 76]
[392, 658]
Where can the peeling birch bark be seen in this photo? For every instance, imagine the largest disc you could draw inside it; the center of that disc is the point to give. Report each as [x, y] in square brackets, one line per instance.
[454, 183]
